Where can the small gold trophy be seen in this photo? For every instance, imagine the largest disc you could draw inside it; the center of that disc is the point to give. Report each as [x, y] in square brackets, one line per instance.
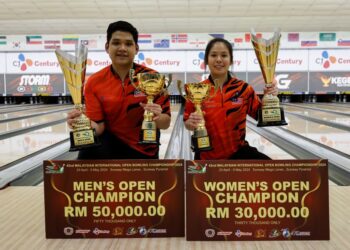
[151, 84]
[197, 93]
[74, 69]
[270, 114]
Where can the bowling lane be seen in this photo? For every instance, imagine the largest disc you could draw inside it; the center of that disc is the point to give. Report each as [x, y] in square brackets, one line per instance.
[23, 108]
[19, 146]
[29, 122]
[333, 107]
[266, 147]
[33, 111]
[328, 136]
[326, 116]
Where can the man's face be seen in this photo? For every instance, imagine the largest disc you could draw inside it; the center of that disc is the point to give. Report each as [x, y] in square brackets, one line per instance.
[121, 49]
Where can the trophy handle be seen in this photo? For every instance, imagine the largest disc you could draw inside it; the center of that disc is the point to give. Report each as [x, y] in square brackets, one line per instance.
[179, 88]
[167, 83]
[132, 77]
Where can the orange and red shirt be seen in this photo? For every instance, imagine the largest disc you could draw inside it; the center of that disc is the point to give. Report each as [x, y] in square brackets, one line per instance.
[225, 117]
[117, 103]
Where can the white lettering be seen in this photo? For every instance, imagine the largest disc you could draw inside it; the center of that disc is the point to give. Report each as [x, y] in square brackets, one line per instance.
[34, 80]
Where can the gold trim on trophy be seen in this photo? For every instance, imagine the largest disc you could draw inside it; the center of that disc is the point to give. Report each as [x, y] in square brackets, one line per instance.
[197, 93]
[152, 85]
[74, 71]
[270, 114]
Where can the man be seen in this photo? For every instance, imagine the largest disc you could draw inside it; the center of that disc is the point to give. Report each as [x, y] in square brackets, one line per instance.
[115, 107]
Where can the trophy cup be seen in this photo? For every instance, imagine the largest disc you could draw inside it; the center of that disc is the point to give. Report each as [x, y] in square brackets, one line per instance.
[74, 69]
[270, 114]
[197, 93]
[151, 84]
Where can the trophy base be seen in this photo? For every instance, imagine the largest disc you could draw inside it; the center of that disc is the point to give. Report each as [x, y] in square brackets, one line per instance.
[149, 136]
[83, 139]
[200, 143]
[271, 117]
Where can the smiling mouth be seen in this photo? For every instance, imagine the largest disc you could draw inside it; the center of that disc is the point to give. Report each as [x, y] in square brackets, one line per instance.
[219, 67]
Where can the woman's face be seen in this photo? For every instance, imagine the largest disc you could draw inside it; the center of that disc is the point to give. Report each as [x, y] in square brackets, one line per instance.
[219, 60]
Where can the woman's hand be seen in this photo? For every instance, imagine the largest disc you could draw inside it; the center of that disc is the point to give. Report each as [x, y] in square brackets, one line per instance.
[193, 121]
[272, 90]
[72, 117]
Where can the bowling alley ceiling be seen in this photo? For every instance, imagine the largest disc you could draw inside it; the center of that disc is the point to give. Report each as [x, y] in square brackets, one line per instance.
[164, 16]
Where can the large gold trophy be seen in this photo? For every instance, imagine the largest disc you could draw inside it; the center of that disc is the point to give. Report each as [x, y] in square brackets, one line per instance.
[74, 69]
[197, 93]
[152, 85]
[270, 114]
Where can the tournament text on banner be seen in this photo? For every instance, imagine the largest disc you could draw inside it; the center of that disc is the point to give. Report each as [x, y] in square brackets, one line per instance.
[257, 200]
[114, 198]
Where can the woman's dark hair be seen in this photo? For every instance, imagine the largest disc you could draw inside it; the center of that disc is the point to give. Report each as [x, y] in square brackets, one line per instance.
[122, 26]
[211, 44]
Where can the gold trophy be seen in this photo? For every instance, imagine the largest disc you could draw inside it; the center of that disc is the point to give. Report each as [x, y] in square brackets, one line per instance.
[270, 114]
[74, 69]
[152, 85]
[197, 93]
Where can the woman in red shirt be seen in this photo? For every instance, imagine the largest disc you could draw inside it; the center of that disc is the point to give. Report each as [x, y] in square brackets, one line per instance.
[225, 113]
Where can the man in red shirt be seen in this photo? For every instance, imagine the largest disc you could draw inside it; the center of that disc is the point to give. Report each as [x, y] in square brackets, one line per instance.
[115, 107]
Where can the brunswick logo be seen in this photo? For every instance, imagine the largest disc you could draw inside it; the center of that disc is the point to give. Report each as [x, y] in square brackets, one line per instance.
[23, 62]
[326, 81]
[145, 61]
[327, 60]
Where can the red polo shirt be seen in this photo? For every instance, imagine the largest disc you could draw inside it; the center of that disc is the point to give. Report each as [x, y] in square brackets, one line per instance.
[225, 117]
[116, 103]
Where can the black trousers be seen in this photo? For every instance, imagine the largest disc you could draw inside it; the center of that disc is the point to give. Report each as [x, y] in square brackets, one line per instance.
[245, 153]
[112, 148]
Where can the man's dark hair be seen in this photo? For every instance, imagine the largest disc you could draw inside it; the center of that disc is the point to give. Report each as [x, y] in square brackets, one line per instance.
[122, 26]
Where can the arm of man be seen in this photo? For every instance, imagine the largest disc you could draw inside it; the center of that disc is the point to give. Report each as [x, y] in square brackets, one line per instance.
[73, 116]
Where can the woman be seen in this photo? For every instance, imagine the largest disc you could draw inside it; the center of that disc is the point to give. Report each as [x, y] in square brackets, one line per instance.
[225, 113]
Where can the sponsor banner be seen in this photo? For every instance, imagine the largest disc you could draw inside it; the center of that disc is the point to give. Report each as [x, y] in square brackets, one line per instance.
[114, 199]
[288, 60]
[97, 61]
[195, 61]
[329, 81]
[163, 61]
[32, 63]
[2, 84]
[329, 60]
[257, 200]
[2, 63]
[294, 82]
[34, 84]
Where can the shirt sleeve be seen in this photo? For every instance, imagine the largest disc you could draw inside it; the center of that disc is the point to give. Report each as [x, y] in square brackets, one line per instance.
[164, 102]
[92, 103]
